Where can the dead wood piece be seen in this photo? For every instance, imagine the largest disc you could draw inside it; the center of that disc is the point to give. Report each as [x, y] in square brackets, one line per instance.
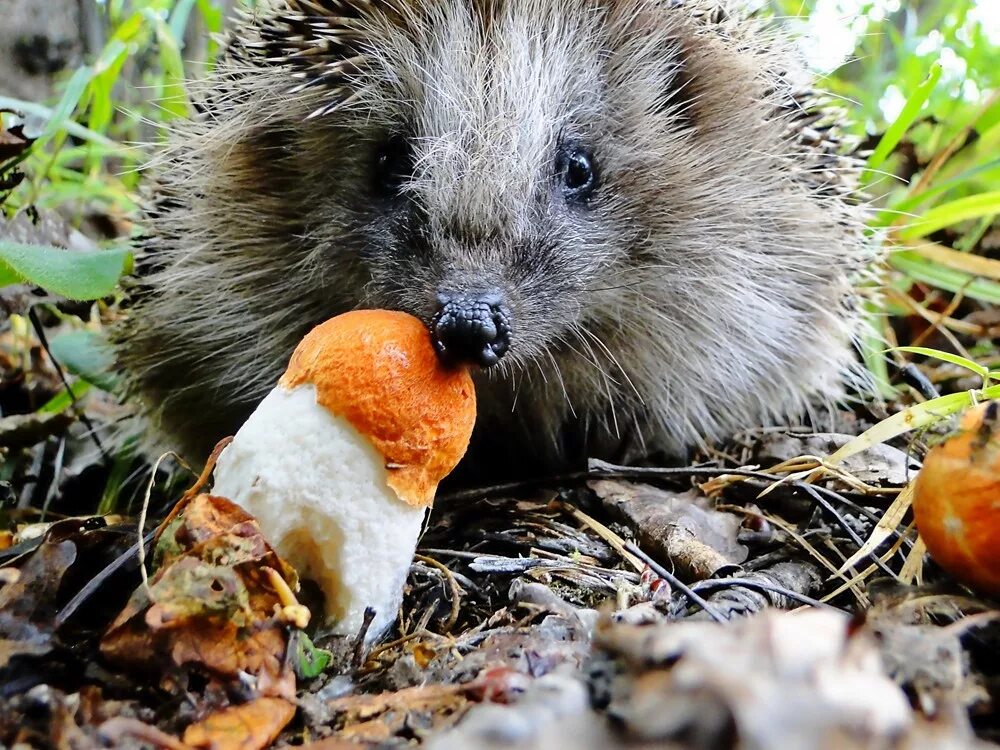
[25, 430]
[881, 464]
[681, 527]
[783, 586]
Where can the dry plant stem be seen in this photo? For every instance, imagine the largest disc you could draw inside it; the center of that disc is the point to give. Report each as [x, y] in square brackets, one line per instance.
[142, 520]
[837, 497]
[376, 652]
[913, 567]
[665, 574]
[604, 471]
[888, 524]
[200, 482]
[943, 156]
[863, 575]
[43, 339]
[456, 591]
[619, 544]
[841, 521]
[960, 326]
[358, 659]
[818, 468]
[937, 325]
[821, 559]
[720, 583]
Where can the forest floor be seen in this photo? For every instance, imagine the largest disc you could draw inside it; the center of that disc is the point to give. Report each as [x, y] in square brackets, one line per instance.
[758, 597]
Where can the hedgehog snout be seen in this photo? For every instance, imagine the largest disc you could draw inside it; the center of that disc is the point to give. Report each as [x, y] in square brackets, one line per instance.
[471, 327]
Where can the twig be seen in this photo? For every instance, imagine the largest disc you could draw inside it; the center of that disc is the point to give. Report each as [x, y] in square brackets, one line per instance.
[359, 647]
[662, 572]
[842, 522]
[456, 591]
[43, 339]
[602, 471]
[606, 534]
[749, 583]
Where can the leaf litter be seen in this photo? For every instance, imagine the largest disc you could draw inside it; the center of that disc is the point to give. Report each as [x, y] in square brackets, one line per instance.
[717, 605]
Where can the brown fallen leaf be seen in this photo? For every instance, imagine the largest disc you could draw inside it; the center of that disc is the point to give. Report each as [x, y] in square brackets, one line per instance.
[210, 605]
[12, 142]
[250, 726]
[214, 607]
[377, 718]
[336, 743]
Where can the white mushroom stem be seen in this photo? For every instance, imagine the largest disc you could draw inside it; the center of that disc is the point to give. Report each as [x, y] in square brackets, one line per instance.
[318, 489]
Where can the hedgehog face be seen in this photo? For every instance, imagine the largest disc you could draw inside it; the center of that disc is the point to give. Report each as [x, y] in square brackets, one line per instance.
[489, 150]
[630, 205]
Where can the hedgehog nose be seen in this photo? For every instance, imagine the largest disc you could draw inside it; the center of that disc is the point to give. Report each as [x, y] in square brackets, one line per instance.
[471, 328]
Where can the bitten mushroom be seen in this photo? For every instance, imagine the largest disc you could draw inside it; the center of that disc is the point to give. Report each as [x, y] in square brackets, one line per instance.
[956, 502]
[341, 460]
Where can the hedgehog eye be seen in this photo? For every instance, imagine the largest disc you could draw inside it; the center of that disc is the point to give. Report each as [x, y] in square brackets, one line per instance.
[576, 170]
[393, 165]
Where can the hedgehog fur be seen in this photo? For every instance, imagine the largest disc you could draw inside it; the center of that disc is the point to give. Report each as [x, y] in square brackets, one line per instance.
[708, 283]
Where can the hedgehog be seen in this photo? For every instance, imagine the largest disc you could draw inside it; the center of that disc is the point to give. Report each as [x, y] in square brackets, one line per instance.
[634, 217]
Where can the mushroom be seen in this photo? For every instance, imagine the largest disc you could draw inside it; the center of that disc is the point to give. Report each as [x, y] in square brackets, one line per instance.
[956, 500]
[341, 460]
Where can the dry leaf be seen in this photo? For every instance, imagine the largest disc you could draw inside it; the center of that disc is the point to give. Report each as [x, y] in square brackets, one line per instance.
[250, 726]
[210, 604]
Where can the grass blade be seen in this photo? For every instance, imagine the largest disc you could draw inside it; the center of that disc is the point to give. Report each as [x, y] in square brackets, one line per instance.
[895, 132]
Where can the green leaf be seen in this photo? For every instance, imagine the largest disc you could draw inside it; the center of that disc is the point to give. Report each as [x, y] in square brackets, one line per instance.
[78, 275]
[971, 207]
[74, 129]
[922, 269]
[172, 96]
[895, 132]
[179, 20]
[8, 276]
[67, 104]
[968, 364]
[912, 418]
[62, 400]
[88, 355]
[874, 355]
[309, 660]
[989, 170]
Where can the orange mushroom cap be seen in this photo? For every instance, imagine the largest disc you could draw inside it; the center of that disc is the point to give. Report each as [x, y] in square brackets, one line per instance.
[956, 501]
[378, 370]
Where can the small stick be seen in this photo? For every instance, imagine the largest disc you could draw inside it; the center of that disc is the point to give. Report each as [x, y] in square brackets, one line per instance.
[40, 332]
[675, 582]
[456, 591]
[198, 485]
[749, 583]
[358, 659]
